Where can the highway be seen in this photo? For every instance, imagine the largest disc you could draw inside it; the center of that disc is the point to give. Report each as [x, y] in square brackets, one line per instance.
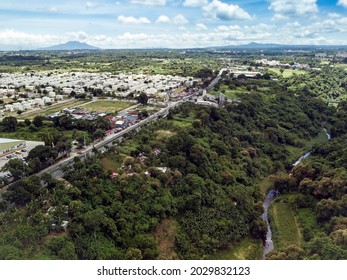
[56, 169]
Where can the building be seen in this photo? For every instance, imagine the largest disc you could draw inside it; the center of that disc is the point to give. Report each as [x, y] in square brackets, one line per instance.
[10, 145]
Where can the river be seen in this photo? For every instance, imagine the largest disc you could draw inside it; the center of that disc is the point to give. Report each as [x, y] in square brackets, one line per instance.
[269, 246]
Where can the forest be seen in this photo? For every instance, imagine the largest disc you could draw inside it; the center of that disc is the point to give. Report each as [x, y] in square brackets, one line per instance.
[189, 186]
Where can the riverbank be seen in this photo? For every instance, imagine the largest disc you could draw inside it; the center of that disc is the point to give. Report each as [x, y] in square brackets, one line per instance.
[283, 219]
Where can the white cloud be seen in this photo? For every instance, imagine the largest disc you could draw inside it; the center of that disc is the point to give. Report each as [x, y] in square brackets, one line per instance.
[334, 15]
[201, 26]
[195, 3]
[342, 3]
[149, 2]
[91, 5]
[53, 9]
[13, 37]
[287, 8]
[225, 28]
[223, 11]
[163, 19]
[180, 20]
[77, 36]
[132, 20]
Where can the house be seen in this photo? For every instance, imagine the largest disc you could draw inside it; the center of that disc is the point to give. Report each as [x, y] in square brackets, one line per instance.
[119, 124]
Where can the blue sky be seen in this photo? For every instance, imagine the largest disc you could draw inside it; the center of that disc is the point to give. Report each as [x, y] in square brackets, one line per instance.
[29, 24]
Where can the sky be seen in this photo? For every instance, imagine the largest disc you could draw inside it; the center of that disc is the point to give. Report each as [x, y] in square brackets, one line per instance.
[109, 24]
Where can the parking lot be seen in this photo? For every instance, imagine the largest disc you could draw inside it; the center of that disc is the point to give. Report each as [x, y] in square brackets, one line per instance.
[21, 154]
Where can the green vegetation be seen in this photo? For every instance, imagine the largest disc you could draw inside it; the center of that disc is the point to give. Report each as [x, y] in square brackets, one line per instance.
[209, 190]
[287, 73]
[328, 84]
[284, 225]
[317, 198]
[247, 249]
[190, 186]
[107, 106]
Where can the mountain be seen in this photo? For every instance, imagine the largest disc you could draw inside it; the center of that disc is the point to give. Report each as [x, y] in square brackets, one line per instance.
[258, 46]
[72, 45]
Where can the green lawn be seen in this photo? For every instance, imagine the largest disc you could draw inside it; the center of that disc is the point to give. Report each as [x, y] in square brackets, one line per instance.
[284, 225]
[287, 72]
[107, 106]
[247, 249]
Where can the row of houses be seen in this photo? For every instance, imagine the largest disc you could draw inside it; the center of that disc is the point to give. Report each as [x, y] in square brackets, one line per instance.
[30, 104]
[65, 83]
[275, 63]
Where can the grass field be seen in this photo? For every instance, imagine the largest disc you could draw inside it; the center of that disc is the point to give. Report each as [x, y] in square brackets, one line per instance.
[107, 106]
[341, 65]
[247, 249]
[112, 162]
[287, 72]
[164, 134]
[284, 225]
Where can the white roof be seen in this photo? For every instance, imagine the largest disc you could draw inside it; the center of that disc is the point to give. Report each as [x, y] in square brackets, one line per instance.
[5, 140]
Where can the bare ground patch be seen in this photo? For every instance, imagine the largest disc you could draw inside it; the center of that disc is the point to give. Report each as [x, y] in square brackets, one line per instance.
[164, 235]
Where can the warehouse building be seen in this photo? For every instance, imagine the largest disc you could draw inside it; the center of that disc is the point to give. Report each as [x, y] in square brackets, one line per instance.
[10, 145]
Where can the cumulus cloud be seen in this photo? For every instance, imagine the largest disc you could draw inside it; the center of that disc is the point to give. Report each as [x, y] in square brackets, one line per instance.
[53, 9]
[195, 3]
[149, 2]
[334, 15]
[287, 8]
[77, 36]
[342, 3]
[91, 5]
[13, 37]
[223, 11]
[163, 19]
[180, 20]
[225, 28]
[132, 20]
[201, 26]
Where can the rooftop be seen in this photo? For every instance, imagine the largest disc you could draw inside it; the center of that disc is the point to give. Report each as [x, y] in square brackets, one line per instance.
[5, 140]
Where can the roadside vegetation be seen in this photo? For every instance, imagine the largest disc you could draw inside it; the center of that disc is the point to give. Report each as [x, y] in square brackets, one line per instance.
[201, 173]
[190, 186]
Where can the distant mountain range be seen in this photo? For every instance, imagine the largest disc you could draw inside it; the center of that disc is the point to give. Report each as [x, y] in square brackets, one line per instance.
[258, 46]
[75, 45]
[70, 46]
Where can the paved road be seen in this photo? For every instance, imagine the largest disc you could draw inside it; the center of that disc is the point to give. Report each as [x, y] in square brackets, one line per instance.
[56, 169]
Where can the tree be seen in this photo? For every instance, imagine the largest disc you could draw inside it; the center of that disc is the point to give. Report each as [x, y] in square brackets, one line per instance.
[99, 133]
[43, 153]
[16, 167]
[10, 124]
[143, 98]
[38, 121]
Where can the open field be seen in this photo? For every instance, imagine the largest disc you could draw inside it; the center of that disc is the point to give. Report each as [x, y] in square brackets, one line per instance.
[284, 225]
[164, 134]
[287, 72]
[341, 65]
[247, 249]
[112, 162]
[107, 106]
